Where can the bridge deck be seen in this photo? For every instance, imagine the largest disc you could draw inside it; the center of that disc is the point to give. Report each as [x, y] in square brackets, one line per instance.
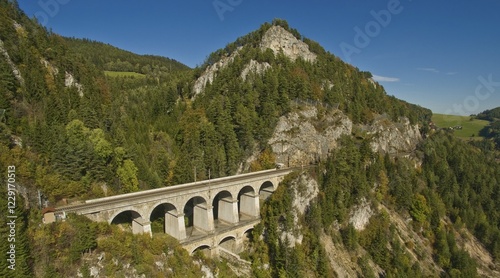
[175, 189]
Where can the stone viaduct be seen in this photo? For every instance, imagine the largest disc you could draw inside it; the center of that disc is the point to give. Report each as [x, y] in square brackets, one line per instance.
[204, 214]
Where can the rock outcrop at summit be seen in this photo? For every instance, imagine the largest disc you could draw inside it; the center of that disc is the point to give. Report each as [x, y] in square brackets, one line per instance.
[278, 39]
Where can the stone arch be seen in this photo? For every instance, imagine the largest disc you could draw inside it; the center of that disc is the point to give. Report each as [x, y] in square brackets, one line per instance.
[198, 216]
[266, 189]
[247, 237]
[226, 237]
[123, 215]
[205, 248]
[138, 224]
[225, 208]
[229, 243]
[249, 230]
[160, 214]
[248, 203]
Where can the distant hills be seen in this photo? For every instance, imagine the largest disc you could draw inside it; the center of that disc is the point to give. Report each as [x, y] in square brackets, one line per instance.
[462, 126]
[491, 115]
[111, 58]
[484, 125]
[491, 131]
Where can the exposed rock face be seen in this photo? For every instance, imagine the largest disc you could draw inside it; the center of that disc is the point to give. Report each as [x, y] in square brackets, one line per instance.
[305, 189]
[13, 67]
[361, 214]
[70, 81]
[18, 26]
[394, 138]
[211, 72]
[254, 67]
[303, 137]
[278, 39]
[207, 272]
[53, 70]
[327, 85]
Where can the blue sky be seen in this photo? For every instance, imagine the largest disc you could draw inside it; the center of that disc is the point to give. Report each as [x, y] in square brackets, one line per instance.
[443, 55]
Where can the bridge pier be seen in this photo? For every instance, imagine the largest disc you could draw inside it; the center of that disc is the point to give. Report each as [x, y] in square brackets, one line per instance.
[174, 225]
[249, 204]
[214, 252]
[228, 210]
[238, 248]
[204, 218]
[141, 226]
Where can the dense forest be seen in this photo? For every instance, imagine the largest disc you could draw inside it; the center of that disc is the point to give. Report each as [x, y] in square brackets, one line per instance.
[491, 131]
[110, 58]
[75, 133]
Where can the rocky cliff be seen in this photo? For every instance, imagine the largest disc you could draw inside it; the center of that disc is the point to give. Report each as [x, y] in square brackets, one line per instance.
[393, 138]
[306, 135]
[15, 70]
[254, 67]
[280, 40]
[211, 72]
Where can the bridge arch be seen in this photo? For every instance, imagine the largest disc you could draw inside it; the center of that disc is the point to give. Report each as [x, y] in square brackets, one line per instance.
[266, 190]
[198, 215]
[248, 203]
[226, 238]
[248, 231]
[137, 223]
[247, 238]
[229, 243]
[164, 219]
[124, 216]
[204, 248]
[225, 208]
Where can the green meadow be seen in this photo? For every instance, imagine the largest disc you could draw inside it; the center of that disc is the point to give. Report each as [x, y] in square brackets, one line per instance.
[123, 74]
[470, 128]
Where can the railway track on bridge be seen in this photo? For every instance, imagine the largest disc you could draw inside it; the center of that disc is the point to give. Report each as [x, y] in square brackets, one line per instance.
[136, 197]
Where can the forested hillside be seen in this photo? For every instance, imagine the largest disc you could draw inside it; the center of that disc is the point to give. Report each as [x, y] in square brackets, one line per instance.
[108, 57]
[492, 131]
[74, 133]
[443, 198]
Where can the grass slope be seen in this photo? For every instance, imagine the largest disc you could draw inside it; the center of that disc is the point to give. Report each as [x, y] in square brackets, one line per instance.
[123, 74]
[470, 128]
